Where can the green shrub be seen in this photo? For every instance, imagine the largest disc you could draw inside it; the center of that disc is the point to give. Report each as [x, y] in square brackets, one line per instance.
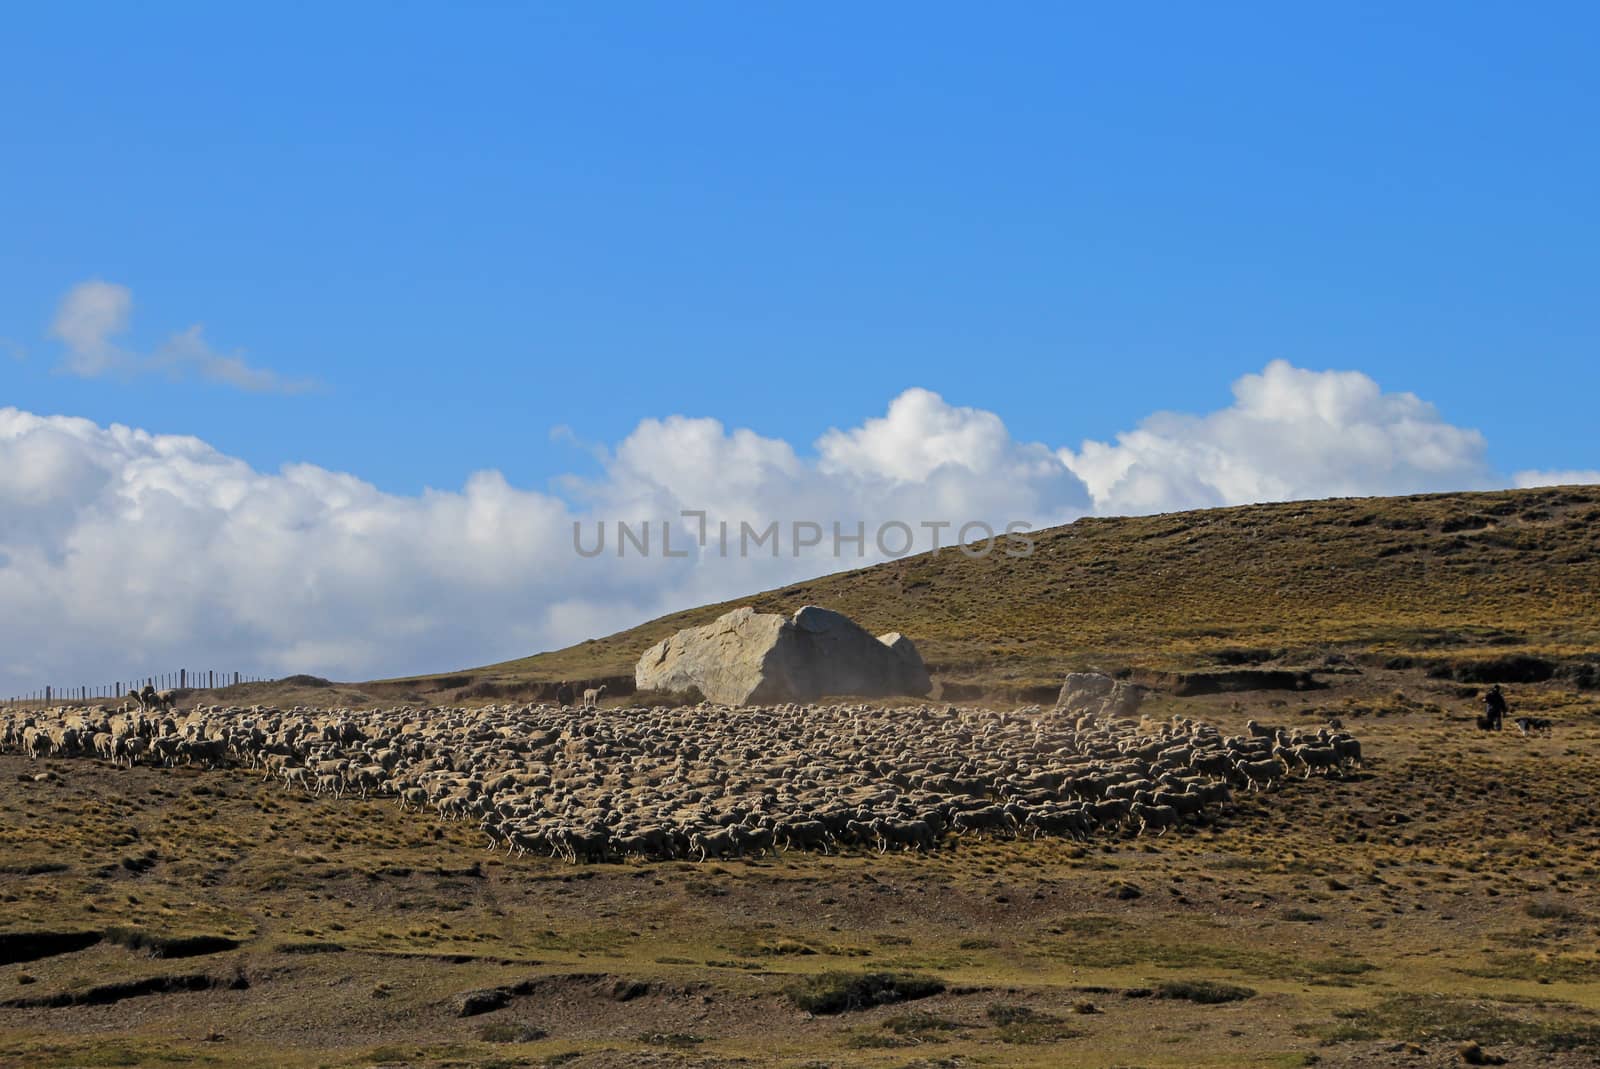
[841, 992]
[1205, 992]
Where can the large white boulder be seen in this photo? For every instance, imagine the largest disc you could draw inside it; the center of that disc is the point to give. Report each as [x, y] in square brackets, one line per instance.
[1100, 695]
[750, 658]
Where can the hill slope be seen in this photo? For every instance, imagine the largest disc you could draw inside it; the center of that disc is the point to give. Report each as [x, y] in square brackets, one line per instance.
[1449, 578]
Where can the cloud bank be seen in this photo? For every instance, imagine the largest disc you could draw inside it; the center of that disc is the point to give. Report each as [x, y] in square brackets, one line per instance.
[124, 553]
[1567, 477]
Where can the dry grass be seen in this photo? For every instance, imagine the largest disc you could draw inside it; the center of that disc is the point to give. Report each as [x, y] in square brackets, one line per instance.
[1470, 587]
[181, 916]
[1473, 586]
[1458, 864]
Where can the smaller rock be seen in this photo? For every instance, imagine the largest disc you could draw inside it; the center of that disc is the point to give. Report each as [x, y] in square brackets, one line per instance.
[1472, 1053]
[485, 1000]
[628, 990]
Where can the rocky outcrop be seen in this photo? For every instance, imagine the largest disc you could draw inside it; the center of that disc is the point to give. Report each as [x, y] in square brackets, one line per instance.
[1098, 694]
[750, 658]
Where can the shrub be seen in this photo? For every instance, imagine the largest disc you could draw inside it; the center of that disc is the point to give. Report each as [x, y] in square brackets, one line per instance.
[1205, 992]
[840, 992]
[1023, 1025]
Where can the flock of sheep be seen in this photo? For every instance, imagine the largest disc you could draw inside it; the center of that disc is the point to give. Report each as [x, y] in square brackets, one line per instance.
[712, 782]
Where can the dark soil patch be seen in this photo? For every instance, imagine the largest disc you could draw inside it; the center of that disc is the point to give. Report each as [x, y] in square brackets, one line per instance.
[18, 947]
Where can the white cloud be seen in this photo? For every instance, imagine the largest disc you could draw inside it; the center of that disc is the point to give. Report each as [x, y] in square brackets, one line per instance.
[1290, 433]
[123, 553]
[1564, 477]
[90, 315]
[94, 313]
[188, 352]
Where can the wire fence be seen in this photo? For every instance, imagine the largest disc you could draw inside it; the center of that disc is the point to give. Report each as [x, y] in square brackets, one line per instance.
[182, 679]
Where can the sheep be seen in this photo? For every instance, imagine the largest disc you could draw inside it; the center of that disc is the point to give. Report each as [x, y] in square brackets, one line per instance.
[213, 752]
[904, 834]
[1161, 817]
[698, 782]
[718, 844]
[592, 696]
[1073, 823]
[590, 844]
[648, 842]
[988, 819]
[1348, 749]
[1211, 762]
[130, 748]
[63, 742]
[1185, 803]
[804, 835]
[1111, 812]
[1257, 774]
[760, 840]
[1322, 759]
[1527, 725]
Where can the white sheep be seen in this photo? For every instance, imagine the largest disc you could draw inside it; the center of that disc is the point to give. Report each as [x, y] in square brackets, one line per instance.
[1259, 773]
[1160, 817]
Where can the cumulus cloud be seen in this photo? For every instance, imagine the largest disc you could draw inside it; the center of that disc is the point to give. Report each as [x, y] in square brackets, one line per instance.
[123, 553]
[1564, 477]
[1289, 434]
[94, 314]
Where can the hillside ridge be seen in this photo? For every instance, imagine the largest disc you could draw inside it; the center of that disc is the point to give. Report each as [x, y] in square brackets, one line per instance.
[1449, 580]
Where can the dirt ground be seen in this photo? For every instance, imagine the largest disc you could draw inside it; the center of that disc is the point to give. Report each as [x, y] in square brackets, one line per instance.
[1443, 895]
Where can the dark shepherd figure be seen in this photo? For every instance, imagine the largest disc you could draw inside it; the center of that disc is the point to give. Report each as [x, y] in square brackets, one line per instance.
[1494, 709]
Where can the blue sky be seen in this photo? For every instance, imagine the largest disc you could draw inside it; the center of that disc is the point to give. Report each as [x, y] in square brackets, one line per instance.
[471, 224]
[889, 261]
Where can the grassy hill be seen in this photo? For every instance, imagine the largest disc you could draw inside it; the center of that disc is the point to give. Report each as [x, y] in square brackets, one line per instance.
[1444, 894]
[1471, 584]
